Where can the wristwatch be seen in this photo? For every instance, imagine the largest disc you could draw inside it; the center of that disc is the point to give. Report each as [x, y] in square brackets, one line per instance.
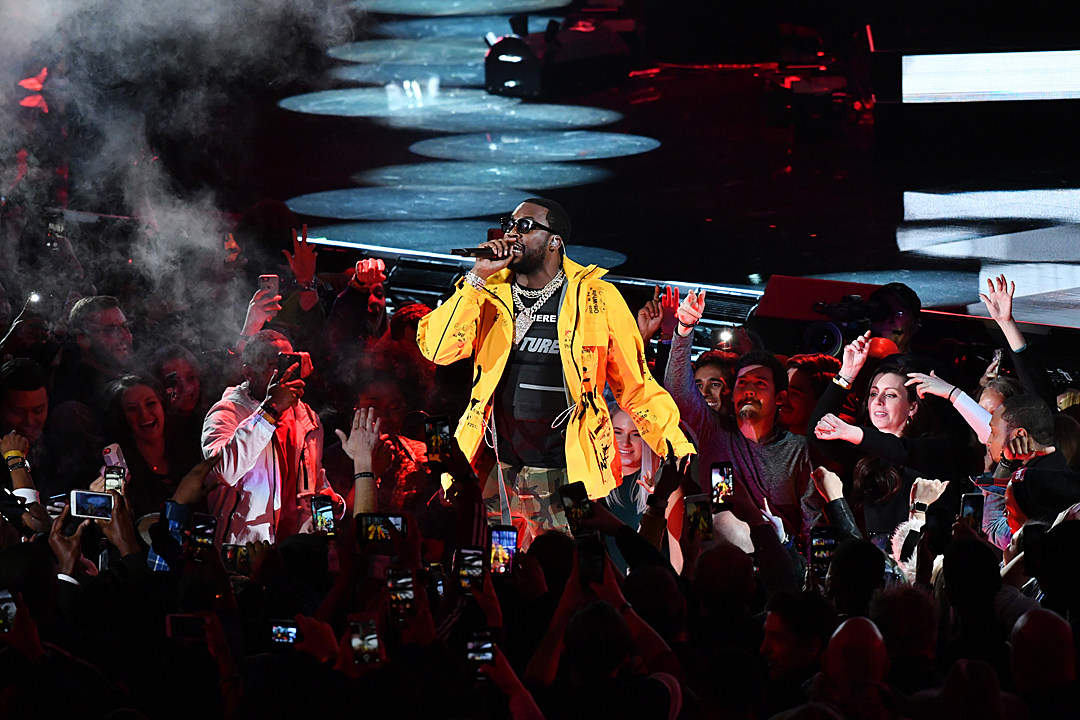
[918, 506]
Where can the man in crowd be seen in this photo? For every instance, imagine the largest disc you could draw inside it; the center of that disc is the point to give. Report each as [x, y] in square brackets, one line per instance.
[546, 335]
[271, 445]
[103, 350]
[770, 463]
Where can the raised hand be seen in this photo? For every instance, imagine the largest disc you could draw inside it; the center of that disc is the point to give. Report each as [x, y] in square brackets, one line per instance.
[930, 385]
[999, 298]
[650, 316]
[927, 491]
[302, 259]
[827, 483]
[364, 436]
[283, 392]
[193, 487]
[505, 250]
[120, 530]
[669, 303]
[66, 548]
[855, 354]
[690, 311]
[370, 272]
[830, 427]
[263, 307]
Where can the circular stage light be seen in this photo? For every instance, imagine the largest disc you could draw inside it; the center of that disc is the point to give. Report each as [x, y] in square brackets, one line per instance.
[934, 287]
[534, 146]
[438, 236]
[407, 203]
[456, 7]
[533, 176]
[444, 51]
[464, 27]
[518, 118]
[383, 73]
[373, 102]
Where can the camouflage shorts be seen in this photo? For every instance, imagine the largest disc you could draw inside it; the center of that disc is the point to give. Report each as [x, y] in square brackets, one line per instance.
[535, 506]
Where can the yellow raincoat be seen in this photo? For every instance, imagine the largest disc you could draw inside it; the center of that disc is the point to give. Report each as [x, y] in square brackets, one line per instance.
[599, 343]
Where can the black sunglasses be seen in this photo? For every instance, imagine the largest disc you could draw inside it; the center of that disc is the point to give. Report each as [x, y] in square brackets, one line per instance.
[525, 225]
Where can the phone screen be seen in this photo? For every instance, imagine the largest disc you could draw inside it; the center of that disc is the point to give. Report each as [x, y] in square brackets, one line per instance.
[438, 439]
[699, 517]
[971, 510]
[399, 583]
[95, 505]
[322, 515]
[591, 559]
[470, 566]
[364, 639]
[480, 650]
[822, 544]
[723, 482]
[235, 559]
[375, 528]
[284, 632]
[203, 530]
[503, 548]
[576, 503]
[114, 478]
[7, 611]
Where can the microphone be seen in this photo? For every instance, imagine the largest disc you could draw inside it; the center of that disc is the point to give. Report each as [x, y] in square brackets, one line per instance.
[476, 252]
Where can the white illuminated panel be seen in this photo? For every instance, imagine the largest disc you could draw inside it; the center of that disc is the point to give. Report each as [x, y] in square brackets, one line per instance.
[982, 77]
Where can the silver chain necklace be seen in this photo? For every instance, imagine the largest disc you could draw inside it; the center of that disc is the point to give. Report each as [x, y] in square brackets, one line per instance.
[524, 319]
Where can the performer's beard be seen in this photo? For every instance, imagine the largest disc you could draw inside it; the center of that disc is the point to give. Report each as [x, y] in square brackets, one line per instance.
[528, 262]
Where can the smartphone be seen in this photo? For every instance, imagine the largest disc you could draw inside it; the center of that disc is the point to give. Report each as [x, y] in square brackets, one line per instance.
[699, 516]
[113, 456]
[503, 548]
[437, 578]
[399, 583]
[286, 361]
[971, 510]
[271, 283]
[114, 478]
[822, 545]
[438, 439]
[7, 611]
[576, 503]
[284, 633]
[374, 529]
[591, 559]
[94, 505]
[185, 627]
[203, 529]
[322, 515]
[366, 644]
[495, 234]
[723, 483]
[480, 650]
[470, 566]
[235, 559]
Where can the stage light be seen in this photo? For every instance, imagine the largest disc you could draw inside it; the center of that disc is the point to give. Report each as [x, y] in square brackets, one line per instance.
[383, 73]
[373, 102]
[523, 117]
[463, 27]
[445, 51]
[405, 203]
[456, 7]
[985, 77]
[535, 146]
[533, 176]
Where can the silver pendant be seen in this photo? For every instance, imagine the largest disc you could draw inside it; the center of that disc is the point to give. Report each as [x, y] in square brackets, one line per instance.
[522, 323]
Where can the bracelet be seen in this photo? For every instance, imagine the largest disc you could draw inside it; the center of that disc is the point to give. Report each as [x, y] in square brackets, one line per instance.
[842, 381]
[475, 280]
[955, 388]
[14, 454]
[360, 475]
[690, 325]
[624, 607]
[21, 465]
[309, 286]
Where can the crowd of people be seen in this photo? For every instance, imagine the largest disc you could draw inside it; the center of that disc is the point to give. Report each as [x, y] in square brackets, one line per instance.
[289, 530]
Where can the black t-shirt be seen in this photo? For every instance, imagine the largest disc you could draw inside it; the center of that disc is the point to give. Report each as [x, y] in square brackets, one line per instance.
[530, 396]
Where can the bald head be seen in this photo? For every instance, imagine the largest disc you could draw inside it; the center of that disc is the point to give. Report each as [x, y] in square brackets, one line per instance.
[856, 652]
[1042, 651]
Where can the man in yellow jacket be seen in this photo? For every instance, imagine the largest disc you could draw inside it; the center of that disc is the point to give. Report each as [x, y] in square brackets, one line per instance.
[546, 335]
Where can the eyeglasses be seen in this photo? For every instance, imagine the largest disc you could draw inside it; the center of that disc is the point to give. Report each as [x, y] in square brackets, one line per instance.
[525, 225]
